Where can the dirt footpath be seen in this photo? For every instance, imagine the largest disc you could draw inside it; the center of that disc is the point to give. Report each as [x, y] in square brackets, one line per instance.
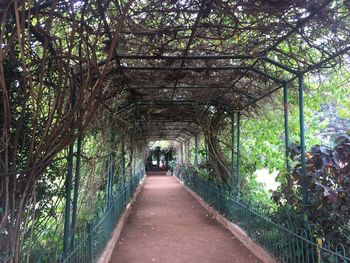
[168, 225]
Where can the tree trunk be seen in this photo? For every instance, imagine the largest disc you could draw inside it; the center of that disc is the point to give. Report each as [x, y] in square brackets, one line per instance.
[212, 127]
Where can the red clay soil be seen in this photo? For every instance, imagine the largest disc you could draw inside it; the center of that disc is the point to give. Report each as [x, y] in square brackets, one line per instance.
[168, 225]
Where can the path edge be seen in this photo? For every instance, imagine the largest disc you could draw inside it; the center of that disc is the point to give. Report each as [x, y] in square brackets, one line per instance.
[241, 235]
[106, 255]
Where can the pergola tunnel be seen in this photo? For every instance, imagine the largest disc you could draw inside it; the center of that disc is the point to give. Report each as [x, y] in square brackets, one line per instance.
[209, 94]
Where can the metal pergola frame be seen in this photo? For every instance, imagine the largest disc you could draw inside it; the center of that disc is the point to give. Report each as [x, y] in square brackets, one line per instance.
[281, 83]
[182, 135]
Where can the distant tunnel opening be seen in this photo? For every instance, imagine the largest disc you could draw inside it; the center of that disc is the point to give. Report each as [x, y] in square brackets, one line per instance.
[161, 156]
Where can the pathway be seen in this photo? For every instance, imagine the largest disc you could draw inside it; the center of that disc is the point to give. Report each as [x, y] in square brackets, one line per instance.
[168, 225]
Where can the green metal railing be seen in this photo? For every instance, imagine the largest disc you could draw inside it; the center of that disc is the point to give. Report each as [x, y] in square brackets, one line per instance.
[91, 239]
[286, 240]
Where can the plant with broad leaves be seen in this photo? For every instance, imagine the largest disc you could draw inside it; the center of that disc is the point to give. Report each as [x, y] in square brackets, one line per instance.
[328, 187]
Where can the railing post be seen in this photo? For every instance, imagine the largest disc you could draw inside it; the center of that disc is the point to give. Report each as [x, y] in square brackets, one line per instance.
[238, 154]
[302, 139]
[232, 151]
[90, 255]
[286, 123]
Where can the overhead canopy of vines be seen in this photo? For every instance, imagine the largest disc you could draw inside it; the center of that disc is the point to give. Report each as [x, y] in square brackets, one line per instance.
[183, 57]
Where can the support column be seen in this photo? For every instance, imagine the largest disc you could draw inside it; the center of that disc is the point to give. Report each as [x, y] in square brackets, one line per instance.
[196, 150]
[90, 246]
[286, 124]
[302, 139]
[158, 156]
[166, 157]
[76, 192]
[68, 184]
[123, 159]
[112, 173]
[109, 180]
[188, 152]
[206, 151]
[123, 167]
[182, 153]
[238, 154]
[232, 151]
[111, 165]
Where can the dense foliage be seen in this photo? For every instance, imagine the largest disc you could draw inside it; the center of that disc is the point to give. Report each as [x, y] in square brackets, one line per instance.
[263, 146]
[328, 184]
